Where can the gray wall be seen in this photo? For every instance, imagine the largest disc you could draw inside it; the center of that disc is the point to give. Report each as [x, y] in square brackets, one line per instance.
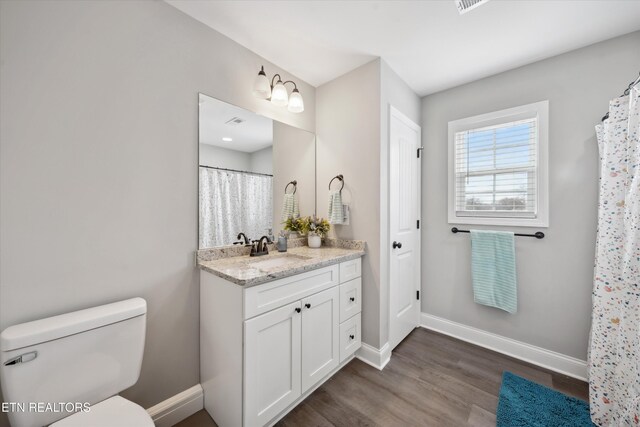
[262, 161]
[294, 158]
[348, 143]
[554, 274]
[219, 157]
[353, 139]
[98, 164]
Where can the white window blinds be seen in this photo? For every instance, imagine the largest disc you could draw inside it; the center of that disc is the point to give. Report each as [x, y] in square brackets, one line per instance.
[495, 170]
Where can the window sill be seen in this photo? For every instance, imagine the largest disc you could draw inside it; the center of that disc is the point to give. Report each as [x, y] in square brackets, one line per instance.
[499, 222]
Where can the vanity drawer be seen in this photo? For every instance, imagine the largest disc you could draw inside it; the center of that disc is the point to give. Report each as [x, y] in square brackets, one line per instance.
[350, 298]
[350, 270]
[262, 298]
[349, 345]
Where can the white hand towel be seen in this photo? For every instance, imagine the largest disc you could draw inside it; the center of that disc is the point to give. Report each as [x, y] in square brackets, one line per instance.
[290, 207]
[336, 210]
[296, 207]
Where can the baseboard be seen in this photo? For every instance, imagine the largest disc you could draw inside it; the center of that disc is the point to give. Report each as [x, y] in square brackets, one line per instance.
[374, 357]
[548, 359]
[178, 407]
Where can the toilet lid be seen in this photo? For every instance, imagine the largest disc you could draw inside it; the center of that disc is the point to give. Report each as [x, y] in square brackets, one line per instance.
[115, 411]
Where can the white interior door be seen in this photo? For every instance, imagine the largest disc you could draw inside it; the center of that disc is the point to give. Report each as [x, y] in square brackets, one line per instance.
[320, 336]
[404, 216]
[272, 363]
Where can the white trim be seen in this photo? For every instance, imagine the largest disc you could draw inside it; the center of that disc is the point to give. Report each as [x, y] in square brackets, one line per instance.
[178, 407]
[548, 359]
[394, 112]
[374, 357]
[536, 109]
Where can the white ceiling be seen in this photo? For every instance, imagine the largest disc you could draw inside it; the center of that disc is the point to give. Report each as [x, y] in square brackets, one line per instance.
[253, 134]
[427, 43]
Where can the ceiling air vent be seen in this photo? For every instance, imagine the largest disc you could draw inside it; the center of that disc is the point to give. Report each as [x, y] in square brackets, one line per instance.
[234, 121]
[465, 6]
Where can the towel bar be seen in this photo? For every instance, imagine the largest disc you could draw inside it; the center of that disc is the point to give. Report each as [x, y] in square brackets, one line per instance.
[537, 235]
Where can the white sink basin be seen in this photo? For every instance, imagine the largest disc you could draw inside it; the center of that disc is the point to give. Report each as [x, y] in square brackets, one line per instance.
[281, 261]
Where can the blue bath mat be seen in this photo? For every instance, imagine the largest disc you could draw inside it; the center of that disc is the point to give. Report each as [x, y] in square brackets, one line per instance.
[524, 403]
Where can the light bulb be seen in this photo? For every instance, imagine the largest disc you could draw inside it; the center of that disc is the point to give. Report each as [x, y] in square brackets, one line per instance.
[296, 104]
[262, 87]
[279, 95]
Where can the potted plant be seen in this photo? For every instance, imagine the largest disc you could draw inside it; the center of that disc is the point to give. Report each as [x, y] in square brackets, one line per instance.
[294, 226]
[316, 228]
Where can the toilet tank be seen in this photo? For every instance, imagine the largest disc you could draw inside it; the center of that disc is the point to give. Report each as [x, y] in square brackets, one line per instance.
[81, 357]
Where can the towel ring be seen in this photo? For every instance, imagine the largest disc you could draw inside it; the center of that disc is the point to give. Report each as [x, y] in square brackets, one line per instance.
[338, 177]
[295, 187]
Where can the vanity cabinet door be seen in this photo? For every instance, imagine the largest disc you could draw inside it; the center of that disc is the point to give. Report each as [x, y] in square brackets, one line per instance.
[320, 336]
[272, 363]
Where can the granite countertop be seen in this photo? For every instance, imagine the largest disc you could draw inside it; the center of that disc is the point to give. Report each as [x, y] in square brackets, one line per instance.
[250, 271]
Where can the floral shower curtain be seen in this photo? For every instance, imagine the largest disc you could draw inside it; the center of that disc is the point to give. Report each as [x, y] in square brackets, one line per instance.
[614, 371]
[231, 202]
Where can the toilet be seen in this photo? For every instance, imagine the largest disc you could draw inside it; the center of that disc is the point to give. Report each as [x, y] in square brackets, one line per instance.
[66, 370]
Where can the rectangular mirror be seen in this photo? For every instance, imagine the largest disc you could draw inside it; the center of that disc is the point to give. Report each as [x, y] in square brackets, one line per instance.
[246, 161]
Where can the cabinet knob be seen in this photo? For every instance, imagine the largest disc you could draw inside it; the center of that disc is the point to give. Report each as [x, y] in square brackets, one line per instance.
[298, 310]
[352, 299]
[307, 305]
[352, 336]
[397, 245]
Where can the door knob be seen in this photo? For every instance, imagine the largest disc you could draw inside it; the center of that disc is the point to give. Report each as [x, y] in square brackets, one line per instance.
[307, 305]
[397, 245]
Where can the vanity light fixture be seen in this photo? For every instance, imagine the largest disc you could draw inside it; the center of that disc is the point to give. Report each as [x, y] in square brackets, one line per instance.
[296, 104]
[262, 88]
[277, 92]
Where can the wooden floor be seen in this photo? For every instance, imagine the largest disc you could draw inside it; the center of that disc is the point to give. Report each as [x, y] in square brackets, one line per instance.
[431, 380]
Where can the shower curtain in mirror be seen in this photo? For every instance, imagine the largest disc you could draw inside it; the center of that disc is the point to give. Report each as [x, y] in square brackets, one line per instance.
[231, 202]
[614, 381]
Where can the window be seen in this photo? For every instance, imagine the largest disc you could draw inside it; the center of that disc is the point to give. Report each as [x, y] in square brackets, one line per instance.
[498, 168]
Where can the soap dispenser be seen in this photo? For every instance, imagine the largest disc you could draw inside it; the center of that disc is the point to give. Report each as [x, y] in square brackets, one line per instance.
[282, 242]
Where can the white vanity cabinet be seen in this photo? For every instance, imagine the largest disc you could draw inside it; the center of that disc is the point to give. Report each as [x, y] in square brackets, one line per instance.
[272, 363]
[320, 341]
[266, 347]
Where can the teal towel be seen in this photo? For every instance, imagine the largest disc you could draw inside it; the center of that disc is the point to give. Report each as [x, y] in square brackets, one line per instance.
[493, 268]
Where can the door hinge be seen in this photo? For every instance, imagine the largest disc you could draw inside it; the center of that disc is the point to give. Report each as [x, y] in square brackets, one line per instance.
[417, 294]
[419, 150]
[418, 223]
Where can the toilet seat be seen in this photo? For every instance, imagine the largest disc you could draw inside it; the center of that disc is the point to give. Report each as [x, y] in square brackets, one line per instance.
[115, 411]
